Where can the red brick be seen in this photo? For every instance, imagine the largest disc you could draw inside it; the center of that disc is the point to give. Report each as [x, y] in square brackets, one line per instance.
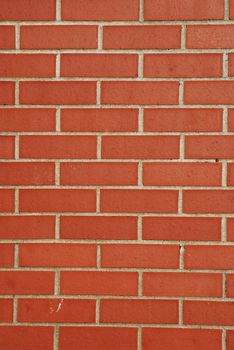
[230, 286]
[98, 174]
[58, 255]
[6, 310]
[209, 257]
[212, 147]
[7, 93]
[143, 147]
[139, 311]
[27, 119]
[230, 174]
[210, 201]
[220, 36]
[230, 65]
[182, 174]
[56, 147]
[99, 120]
[99, 65]
[28, 10]
[7, 37]
[58, 200]
[27, 227]
[7, 200]
[140, 256]
[58, 37]
[57, 92]
[56, 310]
[231, 16]
[209, 92]
[98, 227]
[182, 10]
[177, 339]
[6, 256]
[7, 147]
[139, 201]
[97, 338]
[139, 92]
[101, 10]
[209, 313]
[182, 228]
[230, 340]
[230, 229]
[27, 174]
[184, 284]
[99, 283]
[231, 119]
[141, 37]
[183, 65]
[26, 338]
[183, 119]
[26, 282]
[27, 65]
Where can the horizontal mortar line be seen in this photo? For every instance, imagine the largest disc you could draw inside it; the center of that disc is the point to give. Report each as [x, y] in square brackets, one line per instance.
[118, 187]
[119, 160]
[125, 106]
[116, 133]
[219, 215]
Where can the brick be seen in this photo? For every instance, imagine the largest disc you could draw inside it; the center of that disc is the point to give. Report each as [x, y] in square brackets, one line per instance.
[27, 119]
[220, 36]
[210, 201]
[171, 10]
[23, 338]
[230, 285]
[230, 229]
[57, 92]
[230, 65]
[139, 311]
[7, 147]
[141, 37]
[140, 147]
[26, 282]
[23, 65]
[231, 13]
[27, 227]
[98, 174]
[28, 10]
[182, 174]
[7, 93]
[98, 227]
[99, 283]
[139, 201]
[230, 340]
[100, 10]
[6, 257]
[192, 339]
[183, 119]
[183, 284]
[56, 310]
[97, 338]
[183, 65]
[139, 92]
[181, 228]
[57, 255]
[99, 65]
[57, 200]
[6, 310]
[209, 92]
[231, 119]
[27, 174]
[7, 37]
[230, 174]
[209, 257]
[58, 37]
[140, 256]
[99, 120]
[209, 147]
[55, 147]
[209, 313]
[7, 201]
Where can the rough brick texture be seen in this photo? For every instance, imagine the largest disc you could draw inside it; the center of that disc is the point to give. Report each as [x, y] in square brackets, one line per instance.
[116, 174]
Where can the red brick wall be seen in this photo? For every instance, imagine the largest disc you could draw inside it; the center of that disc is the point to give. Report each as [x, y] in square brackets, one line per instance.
[116, 175]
